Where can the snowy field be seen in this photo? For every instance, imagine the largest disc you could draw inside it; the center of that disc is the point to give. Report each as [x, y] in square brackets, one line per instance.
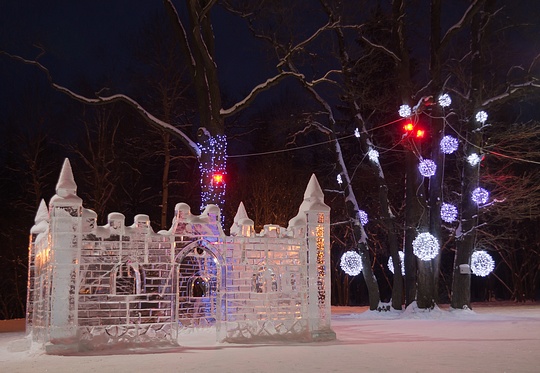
[494, 337]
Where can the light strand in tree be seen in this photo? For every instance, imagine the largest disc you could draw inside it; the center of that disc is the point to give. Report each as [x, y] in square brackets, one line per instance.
[449, 212]
[401, 260]
[445, 100]
[363, 216]
[351, 263]
[482, 264]
[480, 196]
[427, 167]
[404, 111]
[449, 144]
[214, 170]
[481, 116]
[425, 246]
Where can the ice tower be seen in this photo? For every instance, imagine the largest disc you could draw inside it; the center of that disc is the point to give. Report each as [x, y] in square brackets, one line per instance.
[317, 218]
[66, 225]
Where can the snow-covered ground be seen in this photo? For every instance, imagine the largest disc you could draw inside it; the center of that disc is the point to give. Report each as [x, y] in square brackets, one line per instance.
[493, 338]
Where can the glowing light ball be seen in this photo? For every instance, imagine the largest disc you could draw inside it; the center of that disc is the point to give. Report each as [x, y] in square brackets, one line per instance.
[404, 111]
[427, 167]
[481, 116]
[445, 100]
[401, 259]
[356, 132]
[449, 212]
[425, 246]
[474, 159]
[482, 264]
[480, 196]
[449, 144]
[373, 155]
[351, 263]
[339, 179]
[363, 216]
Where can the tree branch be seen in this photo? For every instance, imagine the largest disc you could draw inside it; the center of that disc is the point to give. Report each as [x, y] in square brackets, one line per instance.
[103, 100]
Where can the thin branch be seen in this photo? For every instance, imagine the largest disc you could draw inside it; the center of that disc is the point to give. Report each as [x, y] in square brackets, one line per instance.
[101, 100]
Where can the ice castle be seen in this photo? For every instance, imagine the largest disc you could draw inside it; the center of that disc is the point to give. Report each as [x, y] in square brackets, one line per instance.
[93, 287]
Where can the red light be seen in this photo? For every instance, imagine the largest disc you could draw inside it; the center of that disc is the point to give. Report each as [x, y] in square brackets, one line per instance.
[217, 178]
[408, 127]
[420, 134]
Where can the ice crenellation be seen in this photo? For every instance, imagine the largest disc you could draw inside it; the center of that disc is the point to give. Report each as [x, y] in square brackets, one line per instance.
[93, 286]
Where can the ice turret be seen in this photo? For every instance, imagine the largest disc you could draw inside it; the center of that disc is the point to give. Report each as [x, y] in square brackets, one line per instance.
[41, 220]
[317, 218]
[66, 183]
[66, 218]
[66, 189]
[242, 225]
[313, 197]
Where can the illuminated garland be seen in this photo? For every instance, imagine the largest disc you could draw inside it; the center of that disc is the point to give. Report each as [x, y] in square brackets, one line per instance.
[474, 159]
[449, 144]
[351, 263]
[427, 167]
[480, 196]
[363, 216]
[373, 155]
[481, 116]
[404, 111]
[213, 171]
[402, 261]
[449, 212]
[445, 100]
[482, 264]
[339, 179]
[425, 246]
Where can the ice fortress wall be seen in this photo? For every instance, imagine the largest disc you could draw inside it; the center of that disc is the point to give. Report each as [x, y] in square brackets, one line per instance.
[93, 286]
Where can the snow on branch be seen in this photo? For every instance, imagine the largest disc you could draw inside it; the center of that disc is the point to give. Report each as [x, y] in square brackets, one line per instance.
[101, 100]
[511, 92]
[299, 46]
[270, 82]
[181, 31]
[469, 13]
[381, 47]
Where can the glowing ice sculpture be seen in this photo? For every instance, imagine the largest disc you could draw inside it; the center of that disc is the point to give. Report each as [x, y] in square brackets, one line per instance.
[93, 287]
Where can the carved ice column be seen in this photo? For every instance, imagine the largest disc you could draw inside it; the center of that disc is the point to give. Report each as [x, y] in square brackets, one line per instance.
[317, 215]
[66, 231]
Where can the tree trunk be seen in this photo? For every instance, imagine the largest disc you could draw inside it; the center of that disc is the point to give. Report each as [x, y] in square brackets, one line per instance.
[466, 236]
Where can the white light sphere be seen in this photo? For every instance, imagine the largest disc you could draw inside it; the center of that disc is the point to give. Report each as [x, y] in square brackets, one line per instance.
[481, 116]
[482, 264]
[356, 132]
[445, 100]
[449, 144]
[425, 246]
[351, 263]
[404, 111]
[363, 216]
[474, 159]
[427, 167]
[373, 155]
[402, 261]
[480, 196]
[449, 212]
[339, 179]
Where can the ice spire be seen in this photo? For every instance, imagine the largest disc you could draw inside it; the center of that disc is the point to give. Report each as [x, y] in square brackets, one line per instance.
[42, 218]
[66, 183]
[313, 197]
[42, 213]
[242, 224]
